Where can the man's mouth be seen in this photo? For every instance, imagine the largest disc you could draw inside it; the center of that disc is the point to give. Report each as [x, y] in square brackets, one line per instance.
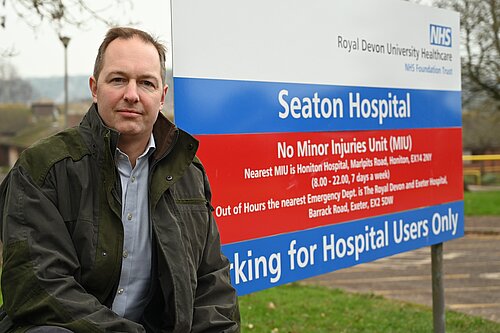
[129, 112]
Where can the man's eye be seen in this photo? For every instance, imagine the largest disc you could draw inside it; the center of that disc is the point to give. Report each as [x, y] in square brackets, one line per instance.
[117, 80]
[148, 84]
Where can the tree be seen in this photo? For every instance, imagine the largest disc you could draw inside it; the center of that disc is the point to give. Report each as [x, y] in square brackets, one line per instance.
[61, 13]
[480, 31]
[480, 130]
[13, 89]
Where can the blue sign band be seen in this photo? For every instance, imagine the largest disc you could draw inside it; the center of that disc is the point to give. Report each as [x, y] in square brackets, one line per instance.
[210, 106]
[267, 262]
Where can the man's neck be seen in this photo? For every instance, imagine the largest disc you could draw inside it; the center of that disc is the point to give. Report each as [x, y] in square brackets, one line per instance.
[133, 147]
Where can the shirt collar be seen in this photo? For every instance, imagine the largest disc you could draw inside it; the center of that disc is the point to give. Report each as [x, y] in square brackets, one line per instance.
[150, 148]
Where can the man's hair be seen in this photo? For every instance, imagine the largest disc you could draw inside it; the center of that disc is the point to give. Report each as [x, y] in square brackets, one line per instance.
[128, 33]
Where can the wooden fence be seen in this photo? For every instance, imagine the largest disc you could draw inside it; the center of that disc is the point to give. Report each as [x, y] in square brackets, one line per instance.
[476, 166]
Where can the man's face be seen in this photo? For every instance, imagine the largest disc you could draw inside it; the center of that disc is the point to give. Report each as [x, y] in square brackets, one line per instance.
[129, 92]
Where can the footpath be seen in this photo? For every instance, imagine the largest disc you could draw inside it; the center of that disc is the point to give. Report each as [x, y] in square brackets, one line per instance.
[471, 273]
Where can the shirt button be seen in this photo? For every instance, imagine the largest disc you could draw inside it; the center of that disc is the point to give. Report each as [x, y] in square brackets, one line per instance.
[120, 291]
[129, 216]
[132, 179]
[125, 254]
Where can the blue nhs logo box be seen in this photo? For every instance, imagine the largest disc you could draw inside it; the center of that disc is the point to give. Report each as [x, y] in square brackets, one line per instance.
[440, 35]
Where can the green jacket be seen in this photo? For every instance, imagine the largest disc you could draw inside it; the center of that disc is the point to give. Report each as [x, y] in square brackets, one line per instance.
[63, 237]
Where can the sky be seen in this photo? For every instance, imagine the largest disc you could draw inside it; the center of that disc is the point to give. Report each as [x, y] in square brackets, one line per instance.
[40, 53]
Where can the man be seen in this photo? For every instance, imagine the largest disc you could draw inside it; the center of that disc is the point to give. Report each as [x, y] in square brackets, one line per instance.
[107, 227]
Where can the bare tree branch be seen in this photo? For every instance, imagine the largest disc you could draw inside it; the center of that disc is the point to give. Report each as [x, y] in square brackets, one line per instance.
[63, 13]
[481, 44]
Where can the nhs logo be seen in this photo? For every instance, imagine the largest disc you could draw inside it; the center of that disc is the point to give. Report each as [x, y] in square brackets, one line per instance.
[440, 35]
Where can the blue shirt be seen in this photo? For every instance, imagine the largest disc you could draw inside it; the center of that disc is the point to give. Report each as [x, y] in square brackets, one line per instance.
[131, 297]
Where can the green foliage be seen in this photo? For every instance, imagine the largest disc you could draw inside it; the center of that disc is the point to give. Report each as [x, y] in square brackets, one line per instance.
[490, 179]
[304, 309]
[482, 203]
[14, 117]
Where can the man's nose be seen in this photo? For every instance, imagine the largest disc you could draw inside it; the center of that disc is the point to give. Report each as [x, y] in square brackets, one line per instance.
[131, 94]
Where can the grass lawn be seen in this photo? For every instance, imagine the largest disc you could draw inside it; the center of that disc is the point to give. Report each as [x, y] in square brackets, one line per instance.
[482, 203]
[296, 308]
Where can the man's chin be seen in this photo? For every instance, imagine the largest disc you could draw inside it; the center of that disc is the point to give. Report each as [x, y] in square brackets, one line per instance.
[128, 130]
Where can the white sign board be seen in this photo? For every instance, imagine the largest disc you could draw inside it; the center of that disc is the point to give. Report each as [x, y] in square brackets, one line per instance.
[331, 130]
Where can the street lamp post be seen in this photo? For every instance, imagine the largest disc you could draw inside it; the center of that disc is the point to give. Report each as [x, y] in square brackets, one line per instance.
[65, 40]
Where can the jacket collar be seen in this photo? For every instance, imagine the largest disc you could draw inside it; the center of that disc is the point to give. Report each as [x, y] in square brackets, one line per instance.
[164, 132]
[93, 123]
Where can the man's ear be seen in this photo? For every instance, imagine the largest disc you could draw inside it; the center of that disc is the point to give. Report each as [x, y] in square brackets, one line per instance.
[163, 94]
[93, 88]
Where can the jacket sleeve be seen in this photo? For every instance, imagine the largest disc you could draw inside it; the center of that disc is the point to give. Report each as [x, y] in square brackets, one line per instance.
[41, 267]
[216, 304]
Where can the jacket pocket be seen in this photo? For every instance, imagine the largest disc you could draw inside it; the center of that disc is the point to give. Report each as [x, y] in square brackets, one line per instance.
[84, 236]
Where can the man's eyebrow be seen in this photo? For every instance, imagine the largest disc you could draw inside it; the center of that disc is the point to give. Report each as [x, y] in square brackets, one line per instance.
[140, 77]
[120, 73]
[148, 77]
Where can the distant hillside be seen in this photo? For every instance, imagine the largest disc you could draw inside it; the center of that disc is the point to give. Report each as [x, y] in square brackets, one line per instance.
[53, 88]
[78, 86]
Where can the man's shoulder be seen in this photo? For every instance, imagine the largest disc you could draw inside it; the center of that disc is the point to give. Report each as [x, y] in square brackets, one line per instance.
[198, 164]
[41, 156]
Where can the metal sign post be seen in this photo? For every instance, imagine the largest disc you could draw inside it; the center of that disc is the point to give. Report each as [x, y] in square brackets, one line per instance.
[438, 300]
